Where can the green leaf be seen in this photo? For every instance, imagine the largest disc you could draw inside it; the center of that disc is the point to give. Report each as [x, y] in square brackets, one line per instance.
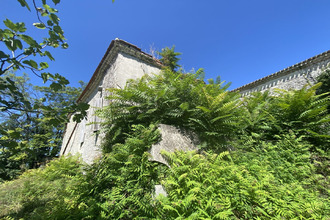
[184, 106]
[50, 9]
[56, 86]
[61, 79]
[24, 4]
[20, 27]
[3, 55]
[44, 13]
[39, 25]
[31, 63]
[44, 65]
[65, 45]
[204, 109]
[83, 106]
[53, 17]
[58, 29]
[50, 23]
[16, 27]
[29, 40]
[56, 1]
[10, 45]
[45, 76]
[49, 55]
[10, 24]
[18, 44]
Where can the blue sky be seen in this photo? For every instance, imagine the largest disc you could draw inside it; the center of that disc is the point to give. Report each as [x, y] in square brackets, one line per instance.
[239, 40]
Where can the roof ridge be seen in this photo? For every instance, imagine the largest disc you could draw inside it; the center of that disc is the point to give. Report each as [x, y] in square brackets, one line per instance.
[308, 61]
[115, 43]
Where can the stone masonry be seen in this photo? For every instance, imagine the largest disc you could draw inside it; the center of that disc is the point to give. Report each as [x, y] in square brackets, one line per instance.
[293, 77]
[123, 61]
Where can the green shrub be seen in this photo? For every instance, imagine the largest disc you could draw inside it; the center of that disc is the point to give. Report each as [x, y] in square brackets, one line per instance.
[173, 98]
[265, 157]
[38, 193]
[299, 111]
[122, 183]
[243, 185]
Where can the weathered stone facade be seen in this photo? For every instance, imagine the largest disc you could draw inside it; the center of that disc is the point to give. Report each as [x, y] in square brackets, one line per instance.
[173, 139]
[121, 62]
[293, 77]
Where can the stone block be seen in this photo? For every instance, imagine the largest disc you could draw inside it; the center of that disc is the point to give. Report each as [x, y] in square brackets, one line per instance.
[173, 139]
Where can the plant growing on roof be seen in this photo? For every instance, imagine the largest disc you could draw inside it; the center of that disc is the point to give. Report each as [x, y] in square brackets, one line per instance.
[169, 58]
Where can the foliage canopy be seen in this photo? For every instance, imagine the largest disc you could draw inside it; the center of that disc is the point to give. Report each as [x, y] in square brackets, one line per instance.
[261, 157]
[269, 166]
[22, 52]
[28, 138]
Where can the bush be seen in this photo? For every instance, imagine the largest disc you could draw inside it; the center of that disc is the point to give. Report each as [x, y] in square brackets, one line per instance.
[265, 157]
[299, 111]
[272, 182]
[177, 99]
[39, 193]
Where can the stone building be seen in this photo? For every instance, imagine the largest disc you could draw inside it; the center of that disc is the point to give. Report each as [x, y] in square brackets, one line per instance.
[123, 61]
[293, 77]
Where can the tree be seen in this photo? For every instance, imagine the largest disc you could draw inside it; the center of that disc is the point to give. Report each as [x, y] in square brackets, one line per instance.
[169, 58]
[20, 47]
[276, 177]
[20, 51]
[28, 138]
[177, 99]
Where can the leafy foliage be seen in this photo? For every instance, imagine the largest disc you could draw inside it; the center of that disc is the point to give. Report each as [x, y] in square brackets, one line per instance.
[169, 58]
[324, 78]
[41, 193]
[27, 137]
[300, 111]
[123, 181]
[172, 98]
[20, 51]
[119, 186]
[257, 185]
[21, 46]
[263, 157]
[272, 181]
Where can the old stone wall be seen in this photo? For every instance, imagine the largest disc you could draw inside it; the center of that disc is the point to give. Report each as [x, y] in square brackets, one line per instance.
[83, 138]
[294, 77]
[173, 139]
[124, 61]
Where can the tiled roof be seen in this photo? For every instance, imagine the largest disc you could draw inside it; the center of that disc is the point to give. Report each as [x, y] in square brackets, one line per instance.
[303, 64]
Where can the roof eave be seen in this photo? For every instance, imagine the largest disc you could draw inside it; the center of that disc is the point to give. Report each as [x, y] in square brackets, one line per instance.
[111, 49]
[301, 65]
